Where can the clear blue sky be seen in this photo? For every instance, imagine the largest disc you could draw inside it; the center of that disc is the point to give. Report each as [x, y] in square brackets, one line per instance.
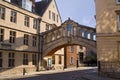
[81, 11]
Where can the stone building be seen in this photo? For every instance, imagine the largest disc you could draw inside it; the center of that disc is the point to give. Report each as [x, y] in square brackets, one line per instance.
[108, 43]
[20, 23]
[18, 37]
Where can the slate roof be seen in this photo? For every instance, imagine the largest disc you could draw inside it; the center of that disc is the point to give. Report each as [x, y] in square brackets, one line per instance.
[41, 6]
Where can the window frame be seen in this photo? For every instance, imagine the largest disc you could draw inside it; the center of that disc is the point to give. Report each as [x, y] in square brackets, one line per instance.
[1, 35]
[2, 12]
[34, 41]
[25, 59]
[12, 37]
[13, 16]
[35, 23]
[11, 59]
[118, 17]
[53, 16]
[26, 39]
[27, 21]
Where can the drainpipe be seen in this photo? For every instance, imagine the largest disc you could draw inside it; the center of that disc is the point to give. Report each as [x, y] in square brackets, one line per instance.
[39, 45]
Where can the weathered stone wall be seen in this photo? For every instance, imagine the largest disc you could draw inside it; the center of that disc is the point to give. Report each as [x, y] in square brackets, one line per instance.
[108, 41]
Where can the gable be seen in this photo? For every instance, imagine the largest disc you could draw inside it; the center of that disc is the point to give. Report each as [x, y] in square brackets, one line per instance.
[53, 9]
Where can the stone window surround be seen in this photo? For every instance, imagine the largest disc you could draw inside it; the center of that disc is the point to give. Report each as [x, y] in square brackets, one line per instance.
[25, 59]
[26, 21]
[12, 37]
[26, 39]
[11, 59]
[1, 34]
[2, 12]
[13, 16]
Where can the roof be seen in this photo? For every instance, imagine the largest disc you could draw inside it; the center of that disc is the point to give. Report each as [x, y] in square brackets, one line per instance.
[41, 6]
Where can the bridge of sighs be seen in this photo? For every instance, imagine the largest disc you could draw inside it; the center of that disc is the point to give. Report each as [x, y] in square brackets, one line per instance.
[69, 33]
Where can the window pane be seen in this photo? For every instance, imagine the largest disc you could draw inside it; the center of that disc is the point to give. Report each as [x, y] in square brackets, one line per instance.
[12, 37]
[25, 59]
[13, 16]
[1, 34]
[26, 21]
[2, 13]
[11, 60]
[26, 37]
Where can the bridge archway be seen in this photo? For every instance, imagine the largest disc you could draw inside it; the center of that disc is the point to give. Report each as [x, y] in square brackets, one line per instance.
[69, 33]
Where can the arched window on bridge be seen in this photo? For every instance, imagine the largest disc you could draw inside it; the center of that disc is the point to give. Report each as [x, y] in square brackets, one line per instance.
[58, 34]
[47, 38]
[82, 33]
[87, 35]
[53, 36]
[94, 36]
[64, 32]
[69, 28]
[75, 31]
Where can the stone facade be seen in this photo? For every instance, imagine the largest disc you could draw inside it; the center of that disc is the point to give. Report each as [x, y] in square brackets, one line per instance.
[13, 54]
[108, 27]
[12, 47]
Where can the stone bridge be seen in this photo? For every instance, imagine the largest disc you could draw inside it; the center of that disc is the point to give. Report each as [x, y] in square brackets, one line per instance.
[69, 33]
